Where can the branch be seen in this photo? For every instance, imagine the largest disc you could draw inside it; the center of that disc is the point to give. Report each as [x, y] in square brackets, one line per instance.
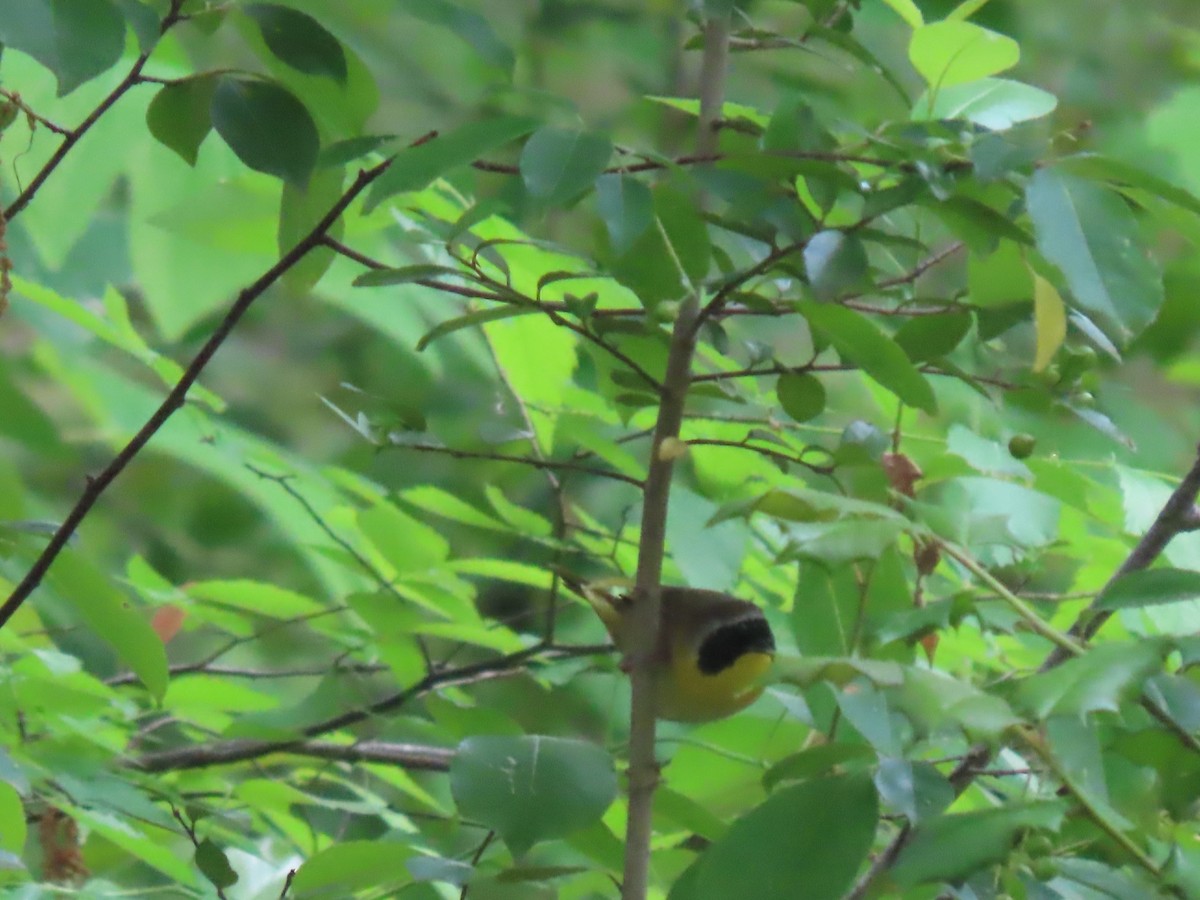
[505, 294]
[409, 756]
[646, 614]
[1177, 516]
[546, 464]
[71, 138]
[178, 394]
[226, 752]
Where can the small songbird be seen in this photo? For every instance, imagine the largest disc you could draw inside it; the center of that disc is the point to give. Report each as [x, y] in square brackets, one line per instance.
[713, 649]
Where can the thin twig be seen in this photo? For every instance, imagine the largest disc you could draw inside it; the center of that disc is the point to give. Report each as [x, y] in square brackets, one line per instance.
[233, 751]
[534, 462]
[71, 138]
[177, 396]
[363, 562]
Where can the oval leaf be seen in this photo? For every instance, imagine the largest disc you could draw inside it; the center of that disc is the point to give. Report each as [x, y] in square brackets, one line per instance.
[835, 263]
[801, 395]
[1091, 235]
[299, 40]
[531, 788]
[76, 40]
[948, 53]
[994, 103]
[557, 164]
[807, 840]
[180, 115]
[267, 127]
[860, 341]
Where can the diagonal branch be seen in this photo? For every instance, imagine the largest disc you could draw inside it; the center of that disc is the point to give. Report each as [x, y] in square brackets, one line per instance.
[1177, 516]
[178, 394]
[242, 750]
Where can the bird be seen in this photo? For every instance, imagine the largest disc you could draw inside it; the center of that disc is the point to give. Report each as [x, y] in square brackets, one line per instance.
[713, 651]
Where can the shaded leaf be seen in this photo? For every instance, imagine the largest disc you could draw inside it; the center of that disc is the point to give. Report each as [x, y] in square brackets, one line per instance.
[836, 263]
[1149, 587]
[557, 164]
[860, 341]
[267, 127]
[806, 840]
[954, 846]
[415, 167]
[531, 788]
[465, 24]
[801, 395]
[626, 206]
[299, 40]
[74, 39]
[1092, 236]
[1098, 680]
[180, 115]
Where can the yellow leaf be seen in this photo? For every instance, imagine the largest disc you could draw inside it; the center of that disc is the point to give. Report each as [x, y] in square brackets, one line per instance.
[671, 448]
[1050, 318]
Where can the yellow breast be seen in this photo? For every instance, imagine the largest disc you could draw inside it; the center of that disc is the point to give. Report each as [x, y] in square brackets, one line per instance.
[686, 694]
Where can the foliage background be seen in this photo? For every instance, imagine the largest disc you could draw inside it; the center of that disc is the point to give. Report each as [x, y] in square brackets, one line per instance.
[241, 514]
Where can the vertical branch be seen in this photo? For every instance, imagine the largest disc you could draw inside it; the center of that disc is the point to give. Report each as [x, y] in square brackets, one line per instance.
[646, 613]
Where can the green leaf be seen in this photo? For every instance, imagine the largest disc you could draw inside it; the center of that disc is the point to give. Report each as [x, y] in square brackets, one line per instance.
[106, 611]
[954, 846]
[299, 40]
[651, 266]
[415, 167]
[531, 788]
[801, 395]
[908, 11]
[806, 840]
[558, 164]
[1149, 587]
[847, 540]
[925, 338]
[349, 866]
[12, 819]
[1092, 236]
[300, 209]
[267, 127]
[465, 24]
[916, 790]
[1120, 174]
[817, 760]
[994, 103]
[74, 39]
[143, 20]
[211, 860]
[860, 341]
[836, 263]
[180, 115]
[949, 53]
[627, 208]
[1098, 680]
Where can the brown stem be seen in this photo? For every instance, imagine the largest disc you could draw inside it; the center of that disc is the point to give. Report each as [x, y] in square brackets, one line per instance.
[178, 394]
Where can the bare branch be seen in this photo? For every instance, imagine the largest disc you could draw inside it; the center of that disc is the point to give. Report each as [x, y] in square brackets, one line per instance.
[200, 756]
